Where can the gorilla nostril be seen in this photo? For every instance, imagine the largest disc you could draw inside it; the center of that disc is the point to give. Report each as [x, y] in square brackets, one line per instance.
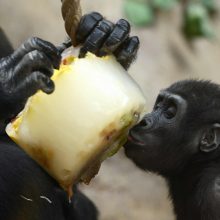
[145, 123]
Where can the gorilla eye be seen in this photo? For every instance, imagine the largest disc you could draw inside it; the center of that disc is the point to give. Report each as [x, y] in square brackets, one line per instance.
[170, 112]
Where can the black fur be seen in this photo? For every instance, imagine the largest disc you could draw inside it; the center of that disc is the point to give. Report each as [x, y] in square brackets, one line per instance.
[180, 140]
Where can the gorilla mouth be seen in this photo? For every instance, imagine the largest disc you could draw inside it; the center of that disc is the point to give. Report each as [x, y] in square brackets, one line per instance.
[134, 139]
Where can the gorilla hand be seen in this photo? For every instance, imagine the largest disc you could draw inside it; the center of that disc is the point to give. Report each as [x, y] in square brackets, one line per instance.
[30, 67]
[24, 72]
[102, 37]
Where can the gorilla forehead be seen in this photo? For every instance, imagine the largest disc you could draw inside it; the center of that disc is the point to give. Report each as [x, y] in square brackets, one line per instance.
[195, 88]
[198, 92]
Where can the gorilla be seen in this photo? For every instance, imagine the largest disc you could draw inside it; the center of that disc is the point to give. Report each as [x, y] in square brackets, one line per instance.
[180, 140]
[27, 192]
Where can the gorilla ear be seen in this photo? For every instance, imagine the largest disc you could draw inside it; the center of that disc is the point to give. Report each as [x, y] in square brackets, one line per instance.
[210, 139]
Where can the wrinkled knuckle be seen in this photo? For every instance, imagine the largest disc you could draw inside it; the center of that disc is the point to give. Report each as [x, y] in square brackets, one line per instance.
[32, 40]
[35, 54]
[38, 76]
[118, 35]
[95, 15]
[89, 20]
[105, 26]
[87, 24]
[36, 40]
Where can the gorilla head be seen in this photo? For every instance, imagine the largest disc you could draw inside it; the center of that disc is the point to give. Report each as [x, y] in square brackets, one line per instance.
[183, 127]
[180, 140]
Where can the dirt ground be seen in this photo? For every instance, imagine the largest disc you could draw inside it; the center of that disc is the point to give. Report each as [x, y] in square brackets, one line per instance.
[121, 191]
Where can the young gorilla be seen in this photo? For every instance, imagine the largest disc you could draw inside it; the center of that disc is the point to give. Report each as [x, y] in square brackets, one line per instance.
[26, 191]
[180, 140]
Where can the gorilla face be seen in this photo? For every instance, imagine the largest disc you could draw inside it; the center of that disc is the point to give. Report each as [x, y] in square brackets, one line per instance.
[162, 141]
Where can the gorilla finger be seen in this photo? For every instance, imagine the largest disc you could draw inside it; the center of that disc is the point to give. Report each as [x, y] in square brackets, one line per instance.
[96, 39]
[33, 61]
[34, 82]
[87, 23]
[117, 37]
[65, 45]
[127, 53]
[35, 43]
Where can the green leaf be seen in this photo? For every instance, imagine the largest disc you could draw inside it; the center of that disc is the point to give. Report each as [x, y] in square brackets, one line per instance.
[139, 13]
[210, 5]
[197, 22]
[163, 4]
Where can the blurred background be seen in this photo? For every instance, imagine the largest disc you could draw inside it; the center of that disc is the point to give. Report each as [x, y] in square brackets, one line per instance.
[179, 40]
